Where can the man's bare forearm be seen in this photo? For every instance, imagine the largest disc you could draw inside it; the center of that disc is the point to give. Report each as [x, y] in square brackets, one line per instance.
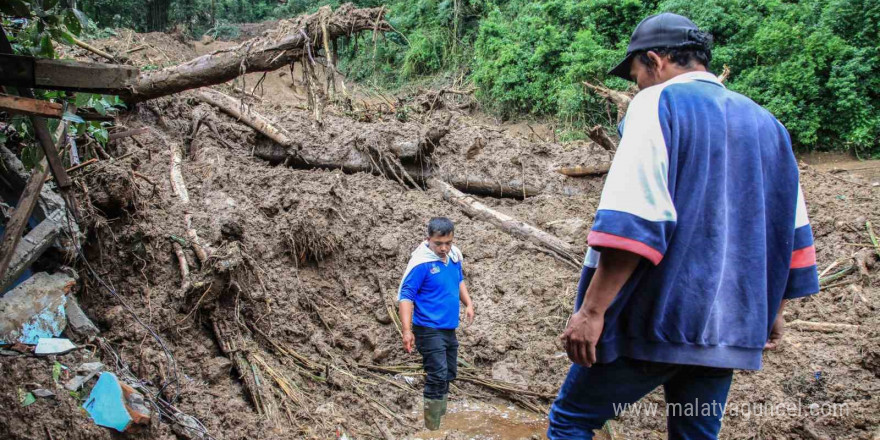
[405, 312]
[615, 268]
[463, 294]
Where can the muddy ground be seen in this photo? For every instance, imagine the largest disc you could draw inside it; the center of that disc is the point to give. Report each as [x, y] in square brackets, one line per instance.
[319, 256]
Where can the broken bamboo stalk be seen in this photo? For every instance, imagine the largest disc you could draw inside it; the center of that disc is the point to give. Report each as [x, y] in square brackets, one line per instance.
[247, 367]
[585, 171]
[233, 107]
[76, 167]
[822, 327]
[524, 231]
[279, 48]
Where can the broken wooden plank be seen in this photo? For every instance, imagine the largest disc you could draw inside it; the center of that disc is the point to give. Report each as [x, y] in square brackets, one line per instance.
[27, 106]
[31, 193]
[49, 203]
[41, 129]
[29, 249]
[19, 218]
[24, 71]
[47, 109]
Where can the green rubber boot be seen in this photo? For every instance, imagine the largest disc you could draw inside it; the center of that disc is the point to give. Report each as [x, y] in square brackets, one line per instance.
[443, 407]
[433, 413]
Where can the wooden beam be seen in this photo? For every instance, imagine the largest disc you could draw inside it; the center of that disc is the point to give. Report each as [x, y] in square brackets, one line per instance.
[41, 129]
[46, 109]
[30, 195]
[24, 71]
[29, 249]
[35, 107]
[19, 218]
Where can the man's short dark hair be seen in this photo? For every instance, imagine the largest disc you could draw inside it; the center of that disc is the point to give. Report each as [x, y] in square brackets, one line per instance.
[686, 55]
[440, 226]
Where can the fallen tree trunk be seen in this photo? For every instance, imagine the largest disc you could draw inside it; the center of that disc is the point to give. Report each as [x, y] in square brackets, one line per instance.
[473, 208]
[252, 119]
[358, 163]
[287, 43]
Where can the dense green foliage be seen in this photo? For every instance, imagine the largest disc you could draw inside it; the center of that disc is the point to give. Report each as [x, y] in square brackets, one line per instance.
[810, 62]
[34, 28]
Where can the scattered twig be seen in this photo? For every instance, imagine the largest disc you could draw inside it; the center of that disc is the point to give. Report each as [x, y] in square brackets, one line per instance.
[76, 167]
[822, 327]
[842, 273]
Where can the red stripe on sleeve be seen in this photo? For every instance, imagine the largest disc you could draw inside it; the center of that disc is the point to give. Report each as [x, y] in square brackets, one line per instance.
[602, 239]
[805, 257]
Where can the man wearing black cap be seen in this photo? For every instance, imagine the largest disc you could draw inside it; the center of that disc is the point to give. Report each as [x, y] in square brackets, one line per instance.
[700, 237]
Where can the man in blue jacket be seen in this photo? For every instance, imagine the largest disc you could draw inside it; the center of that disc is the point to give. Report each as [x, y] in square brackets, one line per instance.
[700, 237]
[429, 297]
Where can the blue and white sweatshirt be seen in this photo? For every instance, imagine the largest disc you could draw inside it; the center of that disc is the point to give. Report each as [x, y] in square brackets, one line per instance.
[704, 186]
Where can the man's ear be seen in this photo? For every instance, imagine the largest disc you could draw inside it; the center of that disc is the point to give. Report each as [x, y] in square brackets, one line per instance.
[657, 61]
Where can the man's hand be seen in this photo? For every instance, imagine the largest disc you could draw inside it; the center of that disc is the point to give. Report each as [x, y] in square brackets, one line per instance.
[776, 332]
[581, 336]
[409, 340]
[469, 314]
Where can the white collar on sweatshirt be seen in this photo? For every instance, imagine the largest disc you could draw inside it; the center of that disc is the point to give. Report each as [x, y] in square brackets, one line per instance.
[695, 76]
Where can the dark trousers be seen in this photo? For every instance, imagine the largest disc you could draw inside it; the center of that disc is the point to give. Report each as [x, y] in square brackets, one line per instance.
[695, 398]
[439, 350]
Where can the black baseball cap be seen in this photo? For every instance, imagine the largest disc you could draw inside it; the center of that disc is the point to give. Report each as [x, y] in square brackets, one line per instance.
[657, 31]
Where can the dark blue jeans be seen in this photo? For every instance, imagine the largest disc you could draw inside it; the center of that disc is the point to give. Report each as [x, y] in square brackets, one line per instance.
[439, 350]
[695, 398]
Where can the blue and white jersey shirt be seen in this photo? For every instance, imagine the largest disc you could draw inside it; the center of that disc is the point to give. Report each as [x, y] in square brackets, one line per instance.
[704, 186]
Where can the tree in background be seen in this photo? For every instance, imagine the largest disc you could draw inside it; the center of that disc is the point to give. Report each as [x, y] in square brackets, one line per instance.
[809, 61]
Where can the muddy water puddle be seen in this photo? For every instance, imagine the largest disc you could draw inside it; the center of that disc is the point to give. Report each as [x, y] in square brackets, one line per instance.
[474, 420]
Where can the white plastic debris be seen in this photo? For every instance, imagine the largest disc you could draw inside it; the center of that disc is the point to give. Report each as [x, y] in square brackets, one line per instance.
[47, 346]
